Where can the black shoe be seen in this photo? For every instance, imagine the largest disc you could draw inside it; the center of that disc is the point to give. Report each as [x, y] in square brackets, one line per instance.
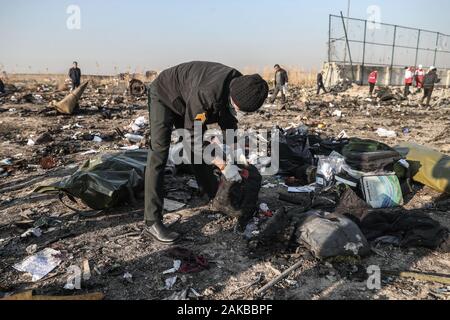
[161, 233]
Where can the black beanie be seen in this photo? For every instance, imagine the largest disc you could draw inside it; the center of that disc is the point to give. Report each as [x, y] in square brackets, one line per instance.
[249, 92]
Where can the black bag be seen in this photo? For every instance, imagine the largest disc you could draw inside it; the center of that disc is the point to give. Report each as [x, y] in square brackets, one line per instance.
[239, 199]
[105, 182]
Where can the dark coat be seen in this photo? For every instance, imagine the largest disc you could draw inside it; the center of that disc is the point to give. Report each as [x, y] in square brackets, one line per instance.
[430, 79]
[281, 78]
[75, 75]
[198, 88]
[320, 79]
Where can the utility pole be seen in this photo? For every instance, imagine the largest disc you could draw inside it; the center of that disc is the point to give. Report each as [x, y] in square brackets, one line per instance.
[348, 16]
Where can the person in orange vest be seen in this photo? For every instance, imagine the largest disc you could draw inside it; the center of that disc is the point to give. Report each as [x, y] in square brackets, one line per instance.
[419, 75]
[408, 80]
[373, 77]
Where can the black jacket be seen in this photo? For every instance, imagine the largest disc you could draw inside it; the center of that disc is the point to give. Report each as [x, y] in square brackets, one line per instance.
[198, 88]
[75, 75]
[320, 79]
[282, 76]
[430, 79]
[2, 87]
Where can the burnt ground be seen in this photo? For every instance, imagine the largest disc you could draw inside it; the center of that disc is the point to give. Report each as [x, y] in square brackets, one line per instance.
[112, 242]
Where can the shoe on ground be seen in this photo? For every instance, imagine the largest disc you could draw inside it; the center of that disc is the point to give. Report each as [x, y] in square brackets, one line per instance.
[161, 233]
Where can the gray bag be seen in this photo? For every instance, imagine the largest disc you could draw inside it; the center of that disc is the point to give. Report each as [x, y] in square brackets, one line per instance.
[332, 236]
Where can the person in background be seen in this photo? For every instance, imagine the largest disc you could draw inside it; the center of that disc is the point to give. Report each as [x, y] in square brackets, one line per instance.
[320, 84]
[429, 81]
[408, 80]
[281, 82]
[419, 77]
[75, 75]
[373, 78]
[2, 86]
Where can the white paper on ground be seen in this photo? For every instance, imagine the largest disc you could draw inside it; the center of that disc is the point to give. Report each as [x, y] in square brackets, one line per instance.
[40, 264]
[176, 267]
[170, 282]
[134, 147]
[92, 151]
[304, 189]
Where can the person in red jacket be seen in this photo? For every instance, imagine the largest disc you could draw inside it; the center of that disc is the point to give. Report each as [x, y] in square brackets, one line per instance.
[419, 76]
[408, 80]
[373, 77]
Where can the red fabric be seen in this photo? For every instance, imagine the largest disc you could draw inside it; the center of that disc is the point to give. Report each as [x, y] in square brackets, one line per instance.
[373, 77]
[420, 76]
[190, 262]
[409, 76]
[245, 174]
[198, 265]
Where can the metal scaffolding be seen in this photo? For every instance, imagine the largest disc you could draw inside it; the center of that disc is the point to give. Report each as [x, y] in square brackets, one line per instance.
[380, 44]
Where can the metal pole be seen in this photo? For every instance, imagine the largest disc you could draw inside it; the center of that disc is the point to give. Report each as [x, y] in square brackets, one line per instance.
[364, 52]
[348, 46]
[348, 19]
[329, 40]
[393, 52]
[417, 50]
[435, 51]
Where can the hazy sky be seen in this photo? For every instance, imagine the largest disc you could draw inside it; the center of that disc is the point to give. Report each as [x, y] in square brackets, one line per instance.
[139, 35]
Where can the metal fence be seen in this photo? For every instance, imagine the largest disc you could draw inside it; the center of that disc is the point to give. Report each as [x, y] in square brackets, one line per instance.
[357, 41]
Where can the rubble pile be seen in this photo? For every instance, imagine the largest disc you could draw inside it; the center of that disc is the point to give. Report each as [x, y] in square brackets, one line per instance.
[348, 165]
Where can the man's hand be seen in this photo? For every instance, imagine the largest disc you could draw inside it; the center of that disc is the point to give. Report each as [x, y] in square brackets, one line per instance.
[219, 163]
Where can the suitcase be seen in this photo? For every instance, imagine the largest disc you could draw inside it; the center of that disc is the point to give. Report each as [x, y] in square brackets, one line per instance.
[370, 155]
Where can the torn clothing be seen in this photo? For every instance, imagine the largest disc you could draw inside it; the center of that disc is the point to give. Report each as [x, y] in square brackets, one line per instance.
[411, 229]
[197, 88]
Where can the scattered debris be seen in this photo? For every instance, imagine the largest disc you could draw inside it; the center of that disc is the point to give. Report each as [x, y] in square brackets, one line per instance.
[40, 264]
[171, 205]
[386, 133]
[170, 282]
[176, 267]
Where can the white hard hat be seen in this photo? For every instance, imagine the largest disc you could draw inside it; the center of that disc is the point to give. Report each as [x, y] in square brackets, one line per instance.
[432, 67]
[420, 66]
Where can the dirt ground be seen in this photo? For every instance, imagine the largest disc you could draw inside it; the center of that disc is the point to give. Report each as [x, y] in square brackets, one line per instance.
[111, 240]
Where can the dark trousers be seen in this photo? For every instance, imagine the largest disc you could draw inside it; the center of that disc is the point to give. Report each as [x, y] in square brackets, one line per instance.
[427, 93]
[277, 90]
[319, 87]
[162, 122]
[75, 84]
[371, 88]
[407, 91]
